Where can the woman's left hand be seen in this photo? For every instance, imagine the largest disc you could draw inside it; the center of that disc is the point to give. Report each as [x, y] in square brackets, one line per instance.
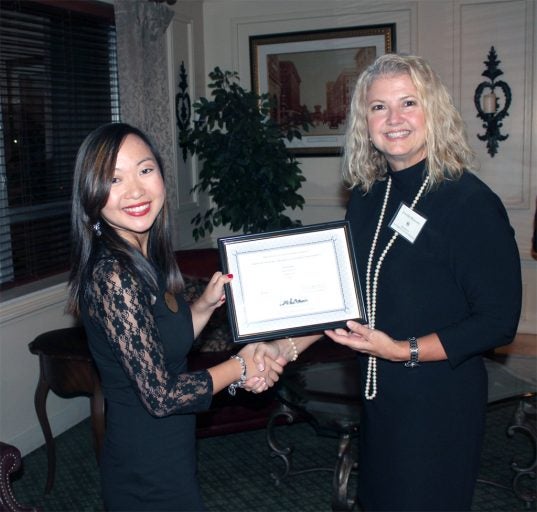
[368, 341]
[213, 296]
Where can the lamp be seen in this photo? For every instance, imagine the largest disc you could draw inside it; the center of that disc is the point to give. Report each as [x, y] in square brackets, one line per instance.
[488, 105]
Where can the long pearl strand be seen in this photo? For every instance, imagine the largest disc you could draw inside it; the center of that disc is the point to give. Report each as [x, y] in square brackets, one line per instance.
[371, 287]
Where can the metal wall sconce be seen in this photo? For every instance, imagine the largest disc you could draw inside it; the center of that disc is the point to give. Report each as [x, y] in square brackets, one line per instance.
[183, 108]
[488, 105]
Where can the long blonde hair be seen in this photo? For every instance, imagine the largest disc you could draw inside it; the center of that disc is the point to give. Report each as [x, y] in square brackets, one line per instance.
[447, 148]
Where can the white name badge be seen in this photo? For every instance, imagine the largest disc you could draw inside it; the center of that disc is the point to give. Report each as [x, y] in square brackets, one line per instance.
[408, 223]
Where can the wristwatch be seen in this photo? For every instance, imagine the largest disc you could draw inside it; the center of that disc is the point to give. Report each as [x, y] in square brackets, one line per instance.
[414, 353]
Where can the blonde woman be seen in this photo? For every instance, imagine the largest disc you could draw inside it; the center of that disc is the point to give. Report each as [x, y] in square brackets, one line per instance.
[441, 271]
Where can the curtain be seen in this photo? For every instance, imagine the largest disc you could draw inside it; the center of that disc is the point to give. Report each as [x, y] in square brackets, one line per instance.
[58, 82]
[143, 75]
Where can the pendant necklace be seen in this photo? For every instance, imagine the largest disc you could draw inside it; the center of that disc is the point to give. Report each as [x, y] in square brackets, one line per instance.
[171, 302]
[371, 287]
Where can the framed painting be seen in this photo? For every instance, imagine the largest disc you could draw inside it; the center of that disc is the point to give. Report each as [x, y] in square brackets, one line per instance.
[310, 76]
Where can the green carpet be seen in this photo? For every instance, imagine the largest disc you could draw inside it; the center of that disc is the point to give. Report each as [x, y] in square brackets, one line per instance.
[235, 471]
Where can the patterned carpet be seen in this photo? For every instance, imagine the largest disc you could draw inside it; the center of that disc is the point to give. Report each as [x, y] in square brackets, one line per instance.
[235, 471]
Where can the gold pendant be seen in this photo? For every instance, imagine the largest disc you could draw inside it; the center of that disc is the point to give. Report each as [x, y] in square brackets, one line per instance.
[171, 302]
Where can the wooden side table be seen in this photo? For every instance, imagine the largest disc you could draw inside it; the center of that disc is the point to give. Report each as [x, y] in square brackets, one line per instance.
[328, 396]
[66, 367]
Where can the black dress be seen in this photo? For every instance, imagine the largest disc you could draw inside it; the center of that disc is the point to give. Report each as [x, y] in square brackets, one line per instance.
[421, 436]
[140, 346]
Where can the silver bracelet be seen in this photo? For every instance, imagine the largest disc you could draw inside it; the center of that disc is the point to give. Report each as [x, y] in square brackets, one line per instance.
[232, 388]
[414, 353]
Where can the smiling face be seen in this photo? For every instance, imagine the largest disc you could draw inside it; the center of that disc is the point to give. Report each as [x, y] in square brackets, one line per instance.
[137, 193]
[396, 121]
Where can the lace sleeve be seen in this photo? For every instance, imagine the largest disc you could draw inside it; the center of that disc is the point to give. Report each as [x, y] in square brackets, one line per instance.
[119, 305]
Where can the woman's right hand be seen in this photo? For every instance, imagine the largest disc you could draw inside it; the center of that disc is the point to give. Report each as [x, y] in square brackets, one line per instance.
[269, 371]
[368, 341]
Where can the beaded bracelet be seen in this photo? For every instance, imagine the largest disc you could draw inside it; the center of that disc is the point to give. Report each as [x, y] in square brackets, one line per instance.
[232, 388]
[295, 351]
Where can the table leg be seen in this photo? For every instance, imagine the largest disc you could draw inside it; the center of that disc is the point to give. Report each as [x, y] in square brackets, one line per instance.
[340, 483]
[341, 473]
[278, 450]
[525, 420]
[40, 402]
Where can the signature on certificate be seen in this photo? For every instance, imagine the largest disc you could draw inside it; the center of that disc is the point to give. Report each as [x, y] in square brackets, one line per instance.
[291, 301]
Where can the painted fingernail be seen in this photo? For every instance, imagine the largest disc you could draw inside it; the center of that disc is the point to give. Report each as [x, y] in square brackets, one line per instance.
[230, 276]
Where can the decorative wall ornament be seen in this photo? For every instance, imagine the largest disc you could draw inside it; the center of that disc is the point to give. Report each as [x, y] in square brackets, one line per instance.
[183, 110]
[490, 107]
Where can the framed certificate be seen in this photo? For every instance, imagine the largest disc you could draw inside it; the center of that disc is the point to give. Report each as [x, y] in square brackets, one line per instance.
[291, 282]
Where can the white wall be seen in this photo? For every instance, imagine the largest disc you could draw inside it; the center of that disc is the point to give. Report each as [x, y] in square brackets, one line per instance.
[454, 35]
[21, 320]
[229, 24]
[185, 46]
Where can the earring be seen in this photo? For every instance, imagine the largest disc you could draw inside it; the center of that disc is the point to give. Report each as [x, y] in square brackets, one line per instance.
[97, 228]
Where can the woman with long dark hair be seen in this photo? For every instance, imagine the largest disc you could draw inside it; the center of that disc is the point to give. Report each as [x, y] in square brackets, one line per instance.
[126, 287]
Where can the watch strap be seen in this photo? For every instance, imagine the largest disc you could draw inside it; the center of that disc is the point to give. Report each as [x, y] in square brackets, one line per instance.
[414, 353]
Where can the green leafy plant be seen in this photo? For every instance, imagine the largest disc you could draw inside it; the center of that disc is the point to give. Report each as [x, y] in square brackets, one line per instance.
[246, 168]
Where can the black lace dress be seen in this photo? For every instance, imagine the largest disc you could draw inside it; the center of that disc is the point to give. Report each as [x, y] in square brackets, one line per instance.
[140, 347]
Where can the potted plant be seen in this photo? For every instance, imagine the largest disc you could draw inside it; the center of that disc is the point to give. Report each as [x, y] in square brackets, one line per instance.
[246, 168]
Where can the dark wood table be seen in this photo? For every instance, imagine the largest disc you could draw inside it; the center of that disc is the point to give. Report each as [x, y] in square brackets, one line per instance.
[66, 367]
[328, 396]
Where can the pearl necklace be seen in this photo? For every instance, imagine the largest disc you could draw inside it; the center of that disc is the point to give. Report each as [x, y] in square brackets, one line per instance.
[371, 287]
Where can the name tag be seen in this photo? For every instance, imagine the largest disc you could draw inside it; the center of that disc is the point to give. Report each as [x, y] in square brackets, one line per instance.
[408, 223]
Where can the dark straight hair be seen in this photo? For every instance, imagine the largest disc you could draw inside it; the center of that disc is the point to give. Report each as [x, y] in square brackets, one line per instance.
[94, 170]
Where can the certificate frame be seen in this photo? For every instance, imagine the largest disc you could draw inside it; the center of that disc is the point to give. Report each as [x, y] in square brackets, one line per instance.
[291, 282]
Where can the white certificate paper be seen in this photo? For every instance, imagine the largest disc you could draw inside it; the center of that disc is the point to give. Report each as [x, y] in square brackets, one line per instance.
[291, 282]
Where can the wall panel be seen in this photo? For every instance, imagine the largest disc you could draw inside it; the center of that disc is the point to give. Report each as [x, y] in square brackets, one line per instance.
[509, 26]
[502, 25]
[185, 50]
